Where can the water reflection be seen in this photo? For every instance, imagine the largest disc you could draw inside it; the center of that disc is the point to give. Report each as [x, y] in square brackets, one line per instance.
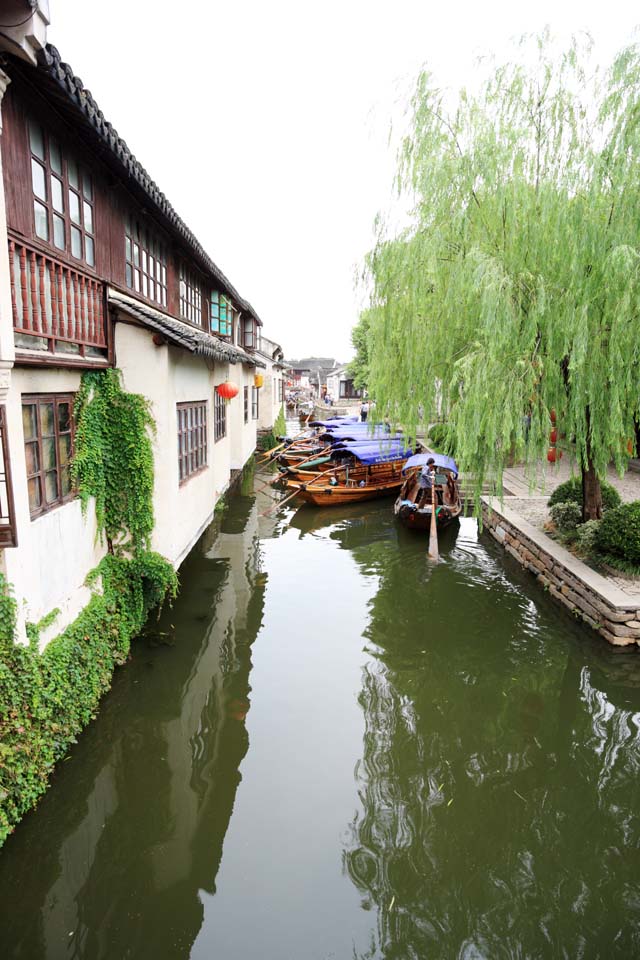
[113, 861]
[499, 776]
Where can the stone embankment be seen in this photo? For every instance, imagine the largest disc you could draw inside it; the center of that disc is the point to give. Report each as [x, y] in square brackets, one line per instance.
[615, 614]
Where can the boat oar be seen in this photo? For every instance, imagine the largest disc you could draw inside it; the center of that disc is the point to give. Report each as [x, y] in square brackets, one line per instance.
[303, 486]
[433, 532]
[269, 454]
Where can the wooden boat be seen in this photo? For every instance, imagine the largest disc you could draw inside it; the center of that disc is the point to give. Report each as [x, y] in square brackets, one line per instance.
[414, 505]
[350, 486]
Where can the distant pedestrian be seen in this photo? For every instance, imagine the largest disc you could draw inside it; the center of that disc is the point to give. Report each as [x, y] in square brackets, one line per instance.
[364, 411]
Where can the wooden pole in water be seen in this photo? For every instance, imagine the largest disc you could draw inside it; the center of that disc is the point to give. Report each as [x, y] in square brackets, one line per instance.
[433, 531]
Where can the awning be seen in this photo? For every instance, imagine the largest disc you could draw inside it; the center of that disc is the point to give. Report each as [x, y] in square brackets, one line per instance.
[181, 334]
[420, 460]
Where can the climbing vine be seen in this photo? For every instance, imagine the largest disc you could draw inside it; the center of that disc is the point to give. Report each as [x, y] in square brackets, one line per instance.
[113, 461]
[47, 698]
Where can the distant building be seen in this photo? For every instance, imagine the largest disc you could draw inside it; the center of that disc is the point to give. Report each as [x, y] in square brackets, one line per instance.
[340, 384]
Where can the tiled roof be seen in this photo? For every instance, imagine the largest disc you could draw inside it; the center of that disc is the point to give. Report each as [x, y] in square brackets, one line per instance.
[71, 92]
[181, 334]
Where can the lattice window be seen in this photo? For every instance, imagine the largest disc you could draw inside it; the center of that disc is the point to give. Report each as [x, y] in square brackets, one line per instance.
[63, 198]
[255, 403]
[146, 263]
[221, 315]
[220, 418]
[48, 442]
[192, 438]
[246, 404]
[190, 297]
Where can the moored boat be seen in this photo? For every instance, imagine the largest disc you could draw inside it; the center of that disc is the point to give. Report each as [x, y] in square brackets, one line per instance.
[414, 503]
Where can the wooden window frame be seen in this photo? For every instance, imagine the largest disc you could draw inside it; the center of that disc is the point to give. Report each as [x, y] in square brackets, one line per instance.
[255, 403]
[190, 291]
[249, 333]
[219, 417]
[246, 404]
[84, 193]
[193, 441]
[221, 315]
[8, 527]
[140, 248]
[37, 400]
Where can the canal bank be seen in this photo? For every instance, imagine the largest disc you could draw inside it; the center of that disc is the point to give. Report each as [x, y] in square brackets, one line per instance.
[329, 747]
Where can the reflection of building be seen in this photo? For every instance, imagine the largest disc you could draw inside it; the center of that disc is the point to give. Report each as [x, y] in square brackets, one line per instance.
[139, 825]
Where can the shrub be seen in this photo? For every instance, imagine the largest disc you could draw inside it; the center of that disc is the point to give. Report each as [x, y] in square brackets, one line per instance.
[441, 438]
[566, 516]
[587, 535]
[571, 492]
[619, 535]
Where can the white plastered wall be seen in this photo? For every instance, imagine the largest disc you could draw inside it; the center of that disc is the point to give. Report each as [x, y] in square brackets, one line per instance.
[242, 435]
[167, 376]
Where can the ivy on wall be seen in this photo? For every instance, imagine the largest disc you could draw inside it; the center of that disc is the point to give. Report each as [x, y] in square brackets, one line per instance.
[47, 698]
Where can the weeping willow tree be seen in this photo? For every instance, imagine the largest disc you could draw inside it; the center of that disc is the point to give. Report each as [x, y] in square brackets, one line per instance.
[515, 291]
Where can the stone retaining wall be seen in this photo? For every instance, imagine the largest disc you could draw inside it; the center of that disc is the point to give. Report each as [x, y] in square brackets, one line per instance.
[589, 596]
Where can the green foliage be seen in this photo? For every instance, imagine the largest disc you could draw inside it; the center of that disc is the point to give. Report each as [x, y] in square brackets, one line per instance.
[113, 459]
[48, 698]
[280, 426]
[441, 439]
[34, 630]
[618, 538]
[571, 490]
[515, 290]
[566, 516]
[587, 536]
[358, 369]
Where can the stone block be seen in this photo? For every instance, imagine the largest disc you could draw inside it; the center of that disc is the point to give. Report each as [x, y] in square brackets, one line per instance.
[616, 641]
[622, 630]
[514, 553]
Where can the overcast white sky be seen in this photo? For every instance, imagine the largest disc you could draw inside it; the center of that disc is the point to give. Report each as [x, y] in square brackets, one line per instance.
[265, 122]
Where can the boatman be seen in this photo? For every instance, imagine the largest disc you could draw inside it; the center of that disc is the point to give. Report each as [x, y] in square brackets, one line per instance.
[426, 478]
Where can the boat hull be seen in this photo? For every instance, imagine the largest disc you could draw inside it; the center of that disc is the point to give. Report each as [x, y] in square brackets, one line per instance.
[326, 495]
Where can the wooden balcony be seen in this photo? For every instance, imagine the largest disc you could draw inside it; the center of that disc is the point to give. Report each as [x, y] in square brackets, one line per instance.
[57, 309]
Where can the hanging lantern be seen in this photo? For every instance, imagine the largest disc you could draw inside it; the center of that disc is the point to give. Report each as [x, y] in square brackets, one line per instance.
[552, 416]
[227, 390]
[553, 436]
[553, 454]
[258, 380]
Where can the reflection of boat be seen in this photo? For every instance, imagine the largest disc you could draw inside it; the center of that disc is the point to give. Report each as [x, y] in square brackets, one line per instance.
[414, 504]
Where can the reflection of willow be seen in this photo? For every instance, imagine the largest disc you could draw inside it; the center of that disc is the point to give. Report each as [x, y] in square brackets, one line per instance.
[127, 839]
[498, 784]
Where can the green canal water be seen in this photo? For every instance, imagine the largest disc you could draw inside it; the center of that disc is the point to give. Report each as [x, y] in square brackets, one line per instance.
[330, 748]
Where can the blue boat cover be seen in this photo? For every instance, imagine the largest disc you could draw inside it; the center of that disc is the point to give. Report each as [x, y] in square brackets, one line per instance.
[334, 422]
[420, 459]
[375, 452]
[357, 431]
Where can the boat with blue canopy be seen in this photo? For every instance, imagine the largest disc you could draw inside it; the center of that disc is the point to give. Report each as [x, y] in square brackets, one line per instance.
[429, 479]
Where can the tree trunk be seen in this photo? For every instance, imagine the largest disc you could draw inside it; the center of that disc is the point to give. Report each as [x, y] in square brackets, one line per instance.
[591, 494]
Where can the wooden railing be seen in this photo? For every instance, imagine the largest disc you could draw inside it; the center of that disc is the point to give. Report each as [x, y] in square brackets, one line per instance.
[55, 307]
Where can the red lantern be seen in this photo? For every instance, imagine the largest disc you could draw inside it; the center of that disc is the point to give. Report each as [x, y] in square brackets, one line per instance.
[227, 390]
[553, 454]
[630, 447]
[552, 416]
[553, 436]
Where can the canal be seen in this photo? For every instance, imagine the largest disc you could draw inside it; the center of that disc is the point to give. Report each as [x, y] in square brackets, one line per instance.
[330, 748]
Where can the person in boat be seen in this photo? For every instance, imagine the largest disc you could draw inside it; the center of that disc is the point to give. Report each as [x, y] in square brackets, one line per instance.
[425, 482]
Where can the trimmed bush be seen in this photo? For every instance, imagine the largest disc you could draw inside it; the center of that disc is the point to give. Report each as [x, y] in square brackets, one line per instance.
[571, 492]
[619, 535]
[587, 535]
[566, 516]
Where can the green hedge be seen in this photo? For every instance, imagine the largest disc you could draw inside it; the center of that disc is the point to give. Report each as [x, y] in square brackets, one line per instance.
[618, 536]
[47, 698]
[571, 492]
